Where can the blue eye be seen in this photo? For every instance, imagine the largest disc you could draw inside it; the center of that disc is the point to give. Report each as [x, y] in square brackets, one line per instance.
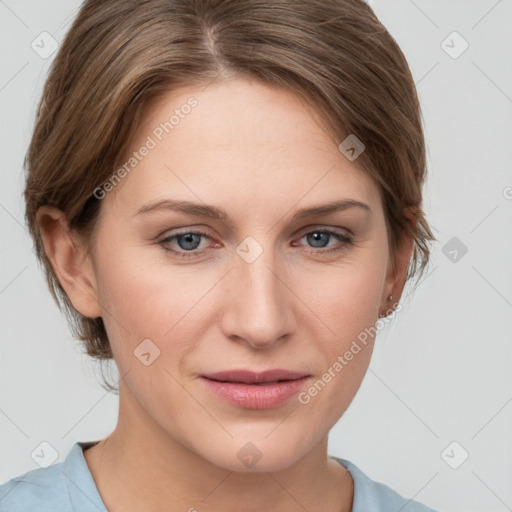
[189, 241]
[322, 236]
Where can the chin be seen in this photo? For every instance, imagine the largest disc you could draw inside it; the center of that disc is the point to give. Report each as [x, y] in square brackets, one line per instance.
[243, 455]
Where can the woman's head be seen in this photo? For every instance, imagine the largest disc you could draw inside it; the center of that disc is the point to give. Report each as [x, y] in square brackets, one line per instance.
[251, 107]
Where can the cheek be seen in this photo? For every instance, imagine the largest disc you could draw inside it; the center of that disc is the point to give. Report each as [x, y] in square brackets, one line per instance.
[346, 300]
[349, 308]
[143, 300]
[346, 297]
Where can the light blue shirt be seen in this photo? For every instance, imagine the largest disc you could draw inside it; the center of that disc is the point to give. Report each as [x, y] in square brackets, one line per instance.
[68, 486]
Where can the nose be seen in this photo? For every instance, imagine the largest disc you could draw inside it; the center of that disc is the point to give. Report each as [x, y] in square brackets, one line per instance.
[258, 309]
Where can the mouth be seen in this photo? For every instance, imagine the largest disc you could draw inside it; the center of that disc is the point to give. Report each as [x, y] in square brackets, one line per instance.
[250, 390]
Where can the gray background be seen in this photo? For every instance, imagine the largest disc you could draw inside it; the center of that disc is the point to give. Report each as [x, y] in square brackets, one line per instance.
[441, 372]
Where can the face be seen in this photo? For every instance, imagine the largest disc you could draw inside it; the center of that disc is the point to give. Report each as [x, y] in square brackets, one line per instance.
[184, 292]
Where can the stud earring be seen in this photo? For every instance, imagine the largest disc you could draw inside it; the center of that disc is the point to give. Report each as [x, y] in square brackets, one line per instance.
[382, 315]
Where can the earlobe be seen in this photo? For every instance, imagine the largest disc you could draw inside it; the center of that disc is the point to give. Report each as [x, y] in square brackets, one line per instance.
[70, 263]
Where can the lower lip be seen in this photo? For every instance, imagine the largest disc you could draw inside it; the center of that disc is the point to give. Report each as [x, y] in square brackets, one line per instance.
[252, 396]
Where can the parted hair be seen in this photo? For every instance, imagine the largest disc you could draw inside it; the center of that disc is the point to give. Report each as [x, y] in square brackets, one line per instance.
[119, 55]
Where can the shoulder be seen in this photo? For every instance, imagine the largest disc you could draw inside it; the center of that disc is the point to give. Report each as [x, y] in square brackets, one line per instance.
[62, 487]
[376, 496]
[42, 489]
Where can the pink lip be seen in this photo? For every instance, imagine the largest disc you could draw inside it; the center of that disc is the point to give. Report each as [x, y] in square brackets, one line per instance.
[250, 390]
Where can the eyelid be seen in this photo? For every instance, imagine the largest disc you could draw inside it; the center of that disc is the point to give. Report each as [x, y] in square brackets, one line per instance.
[323, 227]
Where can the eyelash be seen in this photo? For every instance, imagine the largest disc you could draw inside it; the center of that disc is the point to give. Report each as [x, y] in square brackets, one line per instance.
[345, 240]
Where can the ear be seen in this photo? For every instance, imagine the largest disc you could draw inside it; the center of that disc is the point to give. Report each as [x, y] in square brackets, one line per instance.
[67, 255]
[397, 269]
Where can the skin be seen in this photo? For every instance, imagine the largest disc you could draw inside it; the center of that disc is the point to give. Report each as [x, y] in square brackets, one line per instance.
[259, 153]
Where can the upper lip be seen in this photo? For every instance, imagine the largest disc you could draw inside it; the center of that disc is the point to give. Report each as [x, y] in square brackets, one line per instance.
[250, 377]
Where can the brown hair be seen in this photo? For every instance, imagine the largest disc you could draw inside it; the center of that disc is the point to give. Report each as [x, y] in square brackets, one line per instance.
[120, 54]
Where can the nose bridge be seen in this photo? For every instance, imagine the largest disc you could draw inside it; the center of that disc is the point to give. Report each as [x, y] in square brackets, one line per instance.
[259, 311]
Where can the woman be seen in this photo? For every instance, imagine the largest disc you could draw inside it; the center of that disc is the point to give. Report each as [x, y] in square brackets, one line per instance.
[226, 196]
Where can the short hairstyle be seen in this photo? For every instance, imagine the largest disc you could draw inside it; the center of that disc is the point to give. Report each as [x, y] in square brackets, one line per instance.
[121, 54]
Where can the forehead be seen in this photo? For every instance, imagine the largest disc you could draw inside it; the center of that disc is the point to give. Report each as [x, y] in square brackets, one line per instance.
[240, 143]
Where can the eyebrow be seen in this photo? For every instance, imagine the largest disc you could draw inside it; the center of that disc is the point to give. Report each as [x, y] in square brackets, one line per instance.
[213, 212]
